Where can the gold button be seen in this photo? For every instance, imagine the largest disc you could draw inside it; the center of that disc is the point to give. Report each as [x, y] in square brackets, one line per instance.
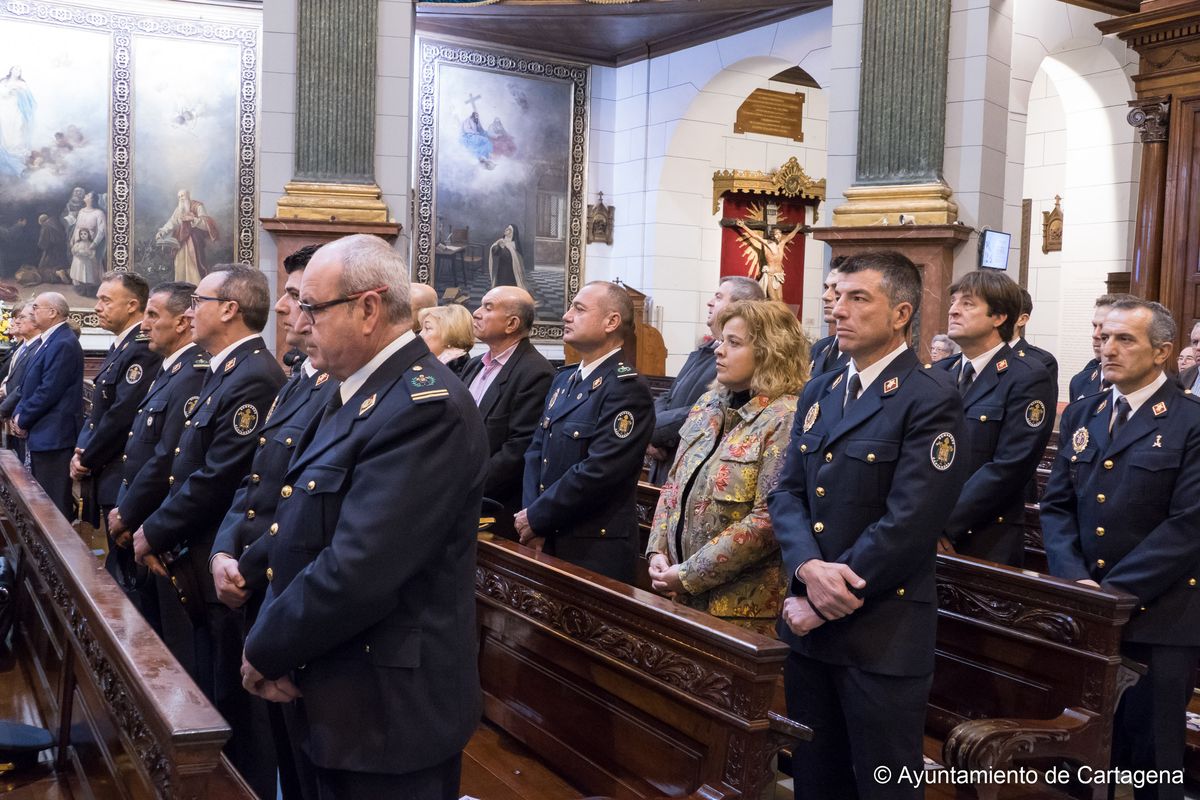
[803, 448]
[870, 458]
[187, 424]
[1100, 563]
[255, 478]
[288, 441]
[541, 487]
[900, 592]
[176, 451]
[575, 435]
[999, 519]
[828, 457]
[312, 485]
[286, 491]
[820, 491]
[270, 574]
[1191, 581]
[983, 417]
[130, 436]
[1108, 464]
[171, 481]
[274, 529]
[820, 526]
[250, 513]
[1100, 498]
[1074, 458]
[262, 440]
[1143, 608]
[1099, 531]
[603, 532]
[124, 481]
[124, 458]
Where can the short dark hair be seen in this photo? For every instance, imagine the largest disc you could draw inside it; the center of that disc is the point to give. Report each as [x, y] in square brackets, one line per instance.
[1000, 292]
[1162, 325]
[248, 287]
[300, 258]
[835, 263]
[131, 282]
[744, 288]
[1111, 299]
[1026, 301]
[901, 280]
[179, 295]
[618, 300]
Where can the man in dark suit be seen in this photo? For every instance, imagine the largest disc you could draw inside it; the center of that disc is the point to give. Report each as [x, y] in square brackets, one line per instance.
[1009, 403]
[150, 443]
[509, 384]
[221, 430]
[826, 354]
[120, 384]
[241, 551]
[24, 329]
[581, 469]
[50, 412]
[1089, 380]
[369, 619]
[872, 472]
[700, 370]
[1023, 348]
[1189, 379]
[1120, 513]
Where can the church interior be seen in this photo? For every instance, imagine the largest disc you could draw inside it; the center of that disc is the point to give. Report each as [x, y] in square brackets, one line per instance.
[659, 144]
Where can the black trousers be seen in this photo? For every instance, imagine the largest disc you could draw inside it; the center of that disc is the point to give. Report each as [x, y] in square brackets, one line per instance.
[862, 723]
[52, 469]
[439, 782]
[1150, 728]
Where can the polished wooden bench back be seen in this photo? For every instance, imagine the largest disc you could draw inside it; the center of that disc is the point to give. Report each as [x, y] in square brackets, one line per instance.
[624, 693]
[1028, 667]
[130, 722]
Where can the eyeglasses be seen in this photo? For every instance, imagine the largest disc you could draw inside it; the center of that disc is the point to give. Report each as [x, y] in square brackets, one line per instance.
[310, 309]
[197, 299]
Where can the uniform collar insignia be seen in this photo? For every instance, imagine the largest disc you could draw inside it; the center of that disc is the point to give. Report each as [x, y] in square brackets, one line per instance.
[834, 385]
[230, 364]
[891, 385]
[1021, 353]
[367, 405]
[1103, 406]
[1159, 409]
[596, 383]
[175, 368]
[324, 376]
[1095, 372]
[1002, 365]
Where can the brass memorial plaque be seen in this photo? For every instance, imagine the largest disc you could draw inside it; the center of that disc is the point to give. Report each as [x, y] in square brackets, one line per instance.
[771, 113]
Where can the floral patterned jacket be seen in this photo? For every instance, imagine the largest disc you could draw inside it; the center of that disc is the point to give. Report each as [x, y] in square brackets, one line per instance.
[729, 561]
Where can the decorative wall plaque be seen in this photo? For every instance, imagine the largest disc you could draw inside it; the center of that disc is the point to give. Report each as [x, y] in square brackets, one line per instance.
[599, 221]
[1052, 228]
[772, 113]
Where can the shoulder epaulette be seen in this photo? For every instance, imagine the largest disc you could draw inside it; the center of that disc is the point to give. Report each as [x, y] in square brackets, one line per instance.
[566, 367]
[201, 363]
[141, 337]
[625, 372]
[422, 386]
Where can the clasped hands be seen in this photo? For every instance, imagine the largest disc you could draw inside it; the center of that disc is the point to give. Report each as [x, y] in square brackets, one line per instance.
[664, 576]
[525, 531]
[829, 596]
[282, 690]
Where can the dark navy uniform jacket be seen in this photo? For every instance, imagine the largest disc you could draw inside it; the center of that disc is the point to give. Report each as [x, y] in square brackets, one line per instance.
[121, 383]
[873, 490]
[1047, 359]
[1009, 410]
[1124, 512]
[253, 511]
[582, 468]
[826, 357]
[214, 454]
[371, 606]
[51, 404]
[1087, 381]
[151, 441]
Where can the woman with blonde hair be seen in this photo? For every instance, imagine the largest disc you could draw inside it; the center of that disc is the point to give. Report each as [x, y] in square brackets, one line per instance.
[447, 332]
[711, 543]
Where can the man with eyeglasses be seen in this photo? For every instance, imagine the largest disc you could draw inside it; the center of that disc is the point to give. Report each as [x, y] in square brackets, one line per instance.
[50, 412]
[220, 433]
[23, 328]
[370, 610]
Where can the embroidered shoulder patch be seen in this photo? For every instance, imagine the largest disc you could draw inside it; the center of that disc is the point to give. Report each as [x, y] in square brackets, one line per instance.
[245, 419]
[941, 454]
[1035, 414]
[133, 374]
[623, 425]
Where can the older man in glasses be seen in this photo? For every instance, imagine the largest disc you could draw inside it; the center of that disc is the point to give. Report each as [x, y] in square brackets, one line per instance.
[221, 431]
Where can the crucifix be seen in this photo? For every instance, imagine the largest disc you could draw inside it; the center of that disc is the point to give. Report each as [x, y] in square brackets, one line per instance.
[471, 98]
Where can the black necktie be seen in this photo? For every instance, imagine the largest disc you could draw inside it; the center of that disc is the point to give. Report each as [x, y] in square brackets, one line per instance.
[852, 390]
[966, 378]
[332, 406]
[1122, 416]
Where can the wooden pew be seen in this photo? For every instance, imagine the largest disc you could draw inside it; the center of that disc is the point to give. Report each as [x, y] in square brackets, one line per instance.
[1028, 668]
[129, 721]
[624, 693]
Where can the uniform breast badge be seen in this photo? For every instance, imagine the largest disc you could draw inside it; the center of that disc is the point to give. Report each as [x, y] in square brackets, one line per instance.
[1157, 440]
[245, 420]
[190, 406]
[941, 454]
[133, 374]
[1035, 414]
[623, 425]
[554, 398]
[1079, 440]
[810, 418]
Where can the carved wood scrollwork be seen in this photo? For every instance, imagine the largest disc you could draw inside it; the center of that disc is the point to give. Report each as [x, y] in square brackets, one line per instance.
[112, 686]
[1151, 116]
[1052, 625]
[995, 743]
[586, 627]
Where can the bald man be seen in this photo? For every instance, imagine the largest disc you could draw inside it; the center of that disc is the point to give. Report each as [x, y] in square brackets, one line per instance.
[421, 295]
[509, 383]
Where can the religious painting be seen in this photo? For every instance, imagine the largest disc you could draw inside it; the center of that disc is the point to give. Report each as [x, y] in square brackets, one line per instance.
[54, 100]
[185, 177]
[125, 140]
[500, 160]
[762, 239]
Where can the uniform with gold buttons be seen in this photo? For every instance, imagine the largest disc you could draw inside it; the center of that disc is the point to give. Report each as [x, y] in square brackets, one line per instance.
[582, 468]
[1009, 411]
[253, 511]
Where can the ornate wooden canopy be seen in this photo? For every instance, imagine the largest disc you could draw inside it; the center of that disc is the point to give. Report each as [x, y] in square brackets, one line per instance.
[790, 180]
